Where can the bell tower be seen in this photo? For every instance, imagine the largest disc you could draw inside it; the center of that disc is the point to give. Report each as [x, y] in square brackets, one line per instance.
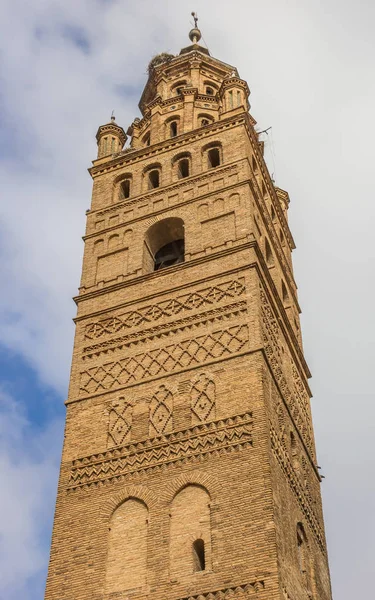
[189, 468]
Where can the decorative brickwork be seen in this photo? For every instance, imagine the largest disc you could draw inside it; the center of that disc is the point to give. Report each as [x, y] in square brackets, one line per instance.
[188, 353]
[146, 335]
[120, 422]
[291, 387]
[174, 449]
[202, 397]
[171, 307]
[239, 592]
[161, 412]
[188, 470]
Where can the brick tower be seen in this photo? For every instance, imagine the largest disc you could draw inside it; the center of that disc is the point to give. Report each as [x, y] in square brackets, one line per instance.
[189, 467]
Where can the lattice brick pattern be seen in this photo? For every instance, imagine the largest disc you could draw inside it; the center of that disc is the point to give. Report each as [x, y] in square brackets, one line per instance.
[297, 404]
[161, 412]
[205, 297]
[120, 422]
[299, 492]
[187, 353]
[195, 443]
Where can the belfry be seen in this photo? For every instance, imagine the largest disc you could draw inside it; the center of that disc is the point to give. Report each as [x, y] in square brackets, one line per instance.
[189, 469]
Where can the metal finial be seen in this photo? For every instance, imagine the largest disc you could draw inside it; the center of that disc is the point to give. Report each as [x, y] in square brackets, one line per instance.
[195, 35]
[113, 118]
[195, 17]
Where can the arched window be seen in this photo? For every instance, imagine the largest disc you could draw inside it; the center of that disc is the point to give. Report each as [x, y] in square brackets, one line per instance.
[210, 88]
[127, 547]
[304, 557]
[204, 120]
[125, 189]
[190, 533]
[146, 140]
[153, 179]
[183, 168]
[177, 88]
[164, 244]
[282, 239]
[199, 559]
[285, 294]
[254, 164]
[269, 256]
[169, 254]
[181, 164]
[213, 157]
[273, 214]
[173, 129]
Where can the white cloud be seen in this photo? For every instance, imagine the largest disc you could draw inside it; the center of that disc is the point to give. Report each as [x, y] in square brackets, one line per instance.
[309, 66]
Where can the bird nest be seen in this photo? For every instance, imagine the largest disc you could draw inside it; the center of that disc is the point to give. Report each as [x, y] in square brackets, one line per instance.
[159, 59]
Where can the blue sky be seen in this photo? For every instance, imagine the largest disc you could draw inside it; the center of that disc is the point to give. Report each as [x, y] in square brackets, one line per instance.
[64, 66]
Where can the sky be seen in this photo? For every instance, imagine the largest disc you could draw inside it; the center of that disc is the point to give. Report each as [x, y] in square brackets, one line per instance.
[64, 66]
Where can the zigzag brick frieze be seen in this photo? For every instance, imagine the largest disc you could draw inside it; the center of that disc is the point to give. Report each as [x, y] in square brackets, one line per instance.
[164, 330]
[194, 444]
[297, 489]
[160, 361]
[239, 592]
[151, 313]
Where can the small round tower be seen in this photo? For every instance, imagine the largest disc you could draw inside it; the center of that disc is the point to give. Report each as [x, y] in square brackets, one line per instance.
[111, 138]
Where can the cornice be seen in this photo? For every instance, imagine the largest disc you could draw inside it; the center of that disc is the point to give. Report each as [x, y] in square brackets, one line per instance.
[160, 294]
[263, 273]
[175, 185]
[149, 151]
[161, 273]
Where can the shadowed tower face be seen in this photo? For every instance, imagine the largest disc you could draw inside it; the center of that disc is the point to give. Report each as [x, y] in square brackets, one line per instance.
[189, 466]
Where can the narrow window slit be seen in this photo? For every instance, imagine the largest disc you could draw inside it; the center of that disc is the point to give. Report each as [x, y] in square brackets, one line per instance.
[173, 129]
[199, 555]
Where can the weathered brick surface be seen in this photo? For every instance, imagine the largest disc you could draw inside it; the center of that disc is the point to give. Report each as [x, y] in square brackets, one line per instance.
[188, 416]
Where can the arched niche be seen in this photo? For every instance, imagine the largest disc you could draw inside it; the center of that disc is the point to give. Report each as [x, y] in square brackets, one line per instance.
[126, 566]
[164, 244]
[190, 532]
